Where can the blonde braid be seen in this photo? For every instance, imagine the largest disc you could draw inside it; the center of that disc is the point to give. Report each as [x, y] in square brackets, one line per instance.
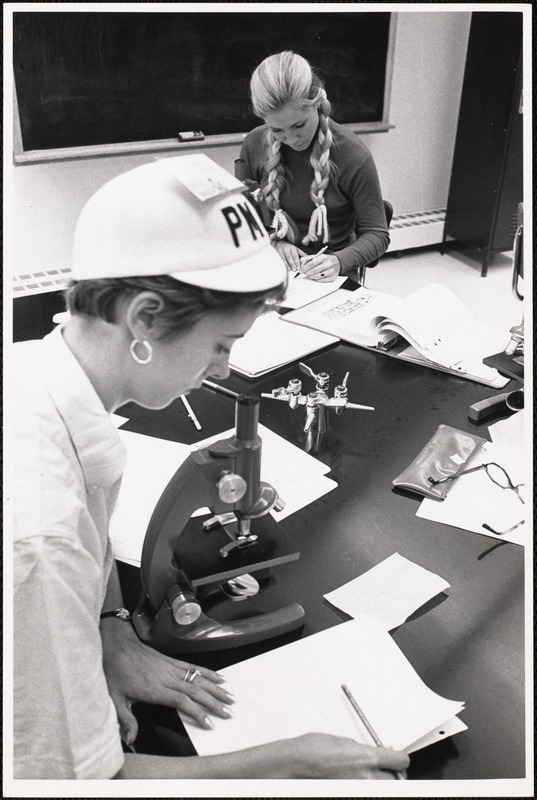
[320, 161]
[276, 183]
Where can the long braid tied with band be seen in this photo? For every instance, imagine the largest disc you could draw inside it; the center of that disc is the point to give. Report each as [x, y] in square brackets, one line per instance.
[281, 79]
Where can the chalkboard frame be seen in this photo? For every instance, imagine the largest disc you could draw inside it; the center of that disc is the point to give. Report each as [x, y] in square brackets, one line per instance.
[22, 156]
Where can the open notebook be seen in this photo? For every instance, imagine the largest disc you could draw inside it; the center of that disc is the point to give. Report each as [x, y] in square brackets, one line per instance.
[430, 327]
[296, 689]
[271, 343]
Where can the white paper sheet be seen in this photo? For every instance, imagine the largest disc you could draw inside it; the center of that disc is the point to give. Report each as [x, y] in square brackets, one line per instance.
[302, 290]
[389, 592]
[475, 499]
[508, 439]
[151, 463]
[117, 420]
[296, 689]
[443, 731]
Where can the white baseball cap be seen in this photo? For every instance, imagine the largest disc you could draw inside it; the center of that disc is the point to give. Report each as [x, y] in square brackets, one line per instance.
[151, 221]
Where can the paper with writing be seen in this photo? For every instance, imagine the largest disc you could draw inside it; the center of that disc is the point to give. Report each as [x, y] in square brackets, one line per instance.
[302, 290]
[203, 177]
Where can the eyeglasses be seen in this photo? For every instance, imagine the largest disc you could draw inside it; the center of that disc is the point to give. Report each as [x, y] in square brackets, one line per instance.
[497, 475]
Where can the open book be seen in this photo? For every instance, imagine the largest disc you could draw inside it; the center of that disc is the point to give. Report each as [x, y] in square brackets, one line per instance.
[430, 327]
[296, 689]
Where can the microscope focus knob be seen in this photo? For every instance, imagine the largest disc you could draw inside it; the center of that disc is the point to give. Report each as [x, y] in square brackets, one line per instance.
[231, 487]
[185, 608]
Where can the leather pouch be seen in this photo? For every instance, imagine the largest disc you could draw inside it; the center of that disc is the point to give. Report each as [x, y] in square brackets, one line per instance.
[446, 454]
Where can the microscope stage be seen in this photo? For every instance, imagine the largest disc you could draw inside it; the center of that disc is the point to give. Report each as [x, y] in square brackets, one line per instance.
[198, 551]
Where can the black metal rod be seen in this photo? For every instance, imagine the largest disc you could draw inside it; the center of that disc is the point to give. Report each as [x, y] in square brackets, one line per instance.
[247, 416]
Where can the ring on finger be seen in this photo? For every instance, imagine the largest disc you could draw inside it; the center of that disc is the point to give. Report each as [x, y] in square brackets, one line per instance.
[191, 675]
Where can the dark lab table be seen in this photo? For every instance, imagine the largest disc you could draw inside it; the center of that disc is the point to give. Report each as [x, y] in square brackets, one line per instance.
[468, 643]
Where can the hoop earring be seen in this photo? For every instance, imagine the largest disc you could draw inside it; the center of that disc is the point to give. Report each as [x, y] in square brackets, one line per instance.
[135, 356]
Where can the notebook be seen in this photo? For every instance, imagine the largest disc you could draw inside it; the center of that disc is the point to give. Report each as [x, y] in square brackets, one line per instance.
[272, 342]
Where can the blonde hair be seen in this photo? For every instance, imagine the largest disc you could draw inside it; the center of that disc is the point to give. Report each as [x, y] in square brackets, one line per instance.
[282, 79]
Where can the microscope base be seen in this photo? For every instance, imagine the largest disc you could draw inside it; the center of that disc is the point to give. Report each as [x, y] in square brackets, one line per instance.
[208, 635]
[198, 557]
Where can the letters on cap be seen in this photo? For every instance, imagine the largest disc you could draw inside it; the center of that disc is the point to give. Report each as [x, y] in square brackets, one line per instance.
[183, 216]
[235, 217]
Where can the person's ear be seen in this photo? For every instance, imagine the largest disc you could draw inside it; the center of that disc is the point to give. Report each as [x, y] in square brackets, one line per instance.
[141, 315]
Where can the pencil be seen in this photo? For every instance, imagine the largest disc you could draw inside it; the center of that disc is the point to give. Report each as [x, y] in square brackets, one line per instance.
[190, 412]
[305, 259]
[215, 387]
[367, 725]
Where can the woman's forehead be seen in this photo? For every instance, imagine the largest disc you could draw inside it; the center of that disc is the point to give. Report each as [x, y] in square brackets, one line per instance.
[288, 115]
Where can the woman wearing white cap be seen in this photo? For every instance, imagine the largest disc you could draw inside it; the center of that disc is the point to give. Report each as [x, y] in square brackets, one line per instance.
[164, 284]
[316, 177]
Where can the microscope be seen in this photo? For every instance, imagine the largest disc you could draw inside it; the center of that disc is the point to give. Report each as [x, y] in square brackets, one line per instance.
[178, 560]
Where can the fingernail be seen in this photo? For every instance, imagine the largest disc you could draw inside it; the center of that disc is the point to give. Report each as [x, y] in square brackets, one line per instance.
[127, 737]
[227, 712]
[208, 723]
[230, 696]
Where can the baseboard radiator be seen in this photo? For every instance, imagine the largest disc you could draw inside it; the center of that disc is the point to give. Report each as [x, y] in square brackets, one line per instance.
[406, 230]
[51, 280]
[417, 229]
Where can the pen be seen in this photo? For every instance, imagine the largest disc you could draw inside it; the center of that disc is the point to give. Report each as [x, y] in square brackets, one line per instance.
[306, 259]
[190, 412]
[367, 725]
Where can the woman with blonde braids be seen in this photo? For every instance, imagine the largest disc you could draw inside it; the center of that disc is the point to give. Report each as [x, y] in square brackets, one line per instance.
[318, 180]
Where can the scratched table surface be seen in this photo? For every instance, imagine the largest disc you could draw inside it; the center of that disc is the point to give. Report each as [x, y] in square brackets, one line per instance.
[468, 643]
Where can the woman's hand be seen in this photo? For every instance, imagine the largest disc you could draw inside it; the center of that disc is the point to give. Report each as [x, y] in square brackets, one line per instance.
[324, 267]
[135, 672]
[319, 755]
[290, 253]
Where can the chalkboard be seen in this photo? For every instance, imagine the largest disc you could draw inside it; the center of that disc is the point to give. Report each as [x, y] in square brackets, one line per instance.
[96, 78]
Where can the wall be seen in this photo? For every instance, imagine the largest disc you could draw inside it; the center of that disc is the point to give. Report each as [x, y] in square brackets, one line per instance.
[413, 159]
